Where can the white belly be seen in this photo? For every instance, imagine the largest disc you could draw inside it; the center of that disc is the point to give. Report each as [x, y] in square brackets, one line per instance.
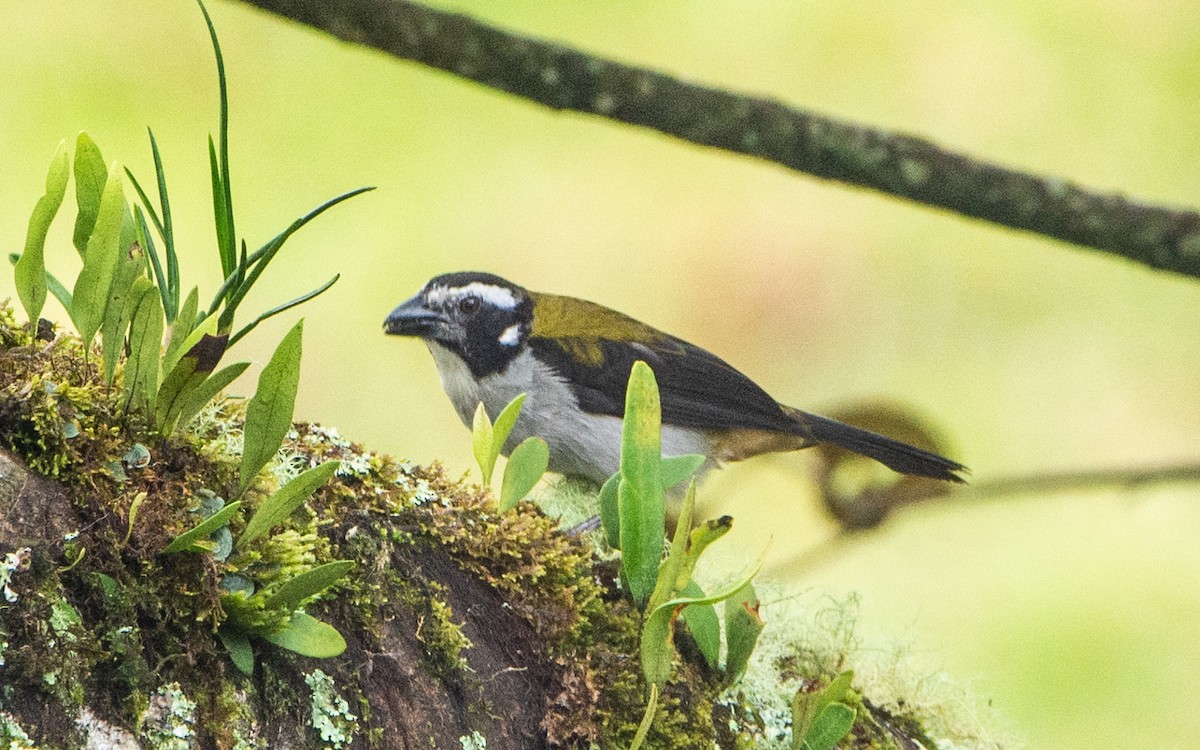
[580, 444]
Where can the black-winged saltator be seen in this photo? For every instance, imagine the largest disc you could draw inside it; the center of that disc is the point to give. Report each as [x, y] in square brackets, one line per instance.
[493, 340]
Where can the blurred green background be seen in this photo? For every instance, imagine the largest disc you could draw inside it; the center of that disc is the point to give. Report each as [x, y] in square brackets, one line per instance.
[1074, 615]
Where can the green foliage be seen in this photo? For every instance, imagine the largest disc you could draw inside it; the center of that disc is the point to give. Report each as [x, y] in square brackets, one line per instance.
[90, 295]
[308, 636]
[820, 719]
[743, 625]
[191, 540]
[145, 337]
[527, 462]
[30, 271]
[633, 512]
[641, 509]
[292, 495]
[269, 415]
[91, 174]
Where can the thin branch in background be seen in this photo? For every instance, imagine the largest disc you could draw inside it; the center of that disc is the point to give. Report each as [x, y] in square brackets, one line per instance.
[900, 165]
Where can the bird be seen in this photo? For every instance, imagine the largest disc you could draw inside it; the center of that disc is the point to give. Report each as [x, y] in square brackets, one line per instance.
[493, 340]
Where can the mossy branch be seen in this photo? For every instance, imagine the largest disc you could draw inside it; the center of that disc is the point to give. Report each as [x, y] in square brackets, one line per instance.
[896, 164]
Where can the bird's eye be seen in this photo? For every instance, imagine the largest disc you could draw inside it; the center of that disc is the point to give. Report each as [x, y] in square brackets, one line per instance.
[468, 305]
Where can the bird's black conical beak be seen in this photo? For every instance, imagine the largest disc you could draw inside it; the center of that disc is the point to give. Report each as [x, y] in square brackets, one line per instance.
[413, 318]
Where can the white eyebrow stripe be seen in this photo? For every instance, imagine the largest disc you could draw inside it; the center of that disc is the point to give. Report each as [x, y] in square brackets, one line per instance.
[490, 293]
[511, 335]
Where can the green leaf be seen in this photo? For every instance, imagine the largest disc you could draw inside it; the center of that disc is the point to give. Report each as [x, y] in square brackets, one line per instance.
[236, 287]
[181, 327]
[118, 310]
[269, 414]
[671, 575]
[294, 591]
[171, 290]
[222, 197]
[91, 174]
[610, 517]
[30, 271]
[677, 469]
[702, 623]
[742, 628]
[807, 706]
[145, 342]
[290, 496]
[505, 423]
[197, 398]
[99, 260]
[200, 329]
[526, 466]
[238, 646]
[188, 374]
[481, 443]
[658, 630]
[308, 636]
[640, 505]
[187, 541]
[829, 728]
[283, 308]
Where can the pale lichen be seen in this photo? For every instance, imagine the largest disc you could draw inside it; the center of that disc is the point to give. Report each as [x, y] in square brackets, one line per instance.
[329, 713]
[170, 719]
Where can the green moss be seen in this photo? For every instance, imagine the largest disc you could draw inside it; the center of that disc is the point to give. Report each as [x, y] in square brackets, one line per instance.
[12, 736]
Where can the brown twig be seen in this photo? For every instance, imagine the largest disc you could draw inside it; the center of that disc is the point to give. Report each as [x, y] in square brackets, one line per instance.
[892, 163]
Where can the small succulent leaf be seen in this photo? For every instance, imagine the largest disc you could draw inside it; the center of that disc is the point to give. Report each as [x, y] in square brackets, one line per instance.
[269, 413]
[91, 174]
[481, 443]
[610, 518]
[119, 308]
[677, 469]
[30, 270]
[830, 726]
[100, 260]
[240, 651]
[276, 508]
[197, 398]
[145, 342]
[807, 705]
[182, 325]
[743, 625]
[525, 467]
[504, 424]
[187, 541]
[294, 591]
[308, 636]
[640, 504]
[703, 624]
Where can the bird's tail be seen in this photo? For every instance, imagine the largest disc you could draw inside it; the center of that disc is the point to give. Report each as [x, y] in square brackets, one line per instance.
[896, 455]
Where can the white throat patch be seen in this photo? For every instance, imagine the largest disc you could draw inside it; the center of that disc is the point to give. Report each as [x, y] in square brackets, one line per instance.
[493, 295]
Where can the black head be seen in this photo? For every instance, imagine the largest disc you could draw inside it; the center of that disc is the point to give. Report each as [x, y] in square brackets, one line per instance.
[478, 316]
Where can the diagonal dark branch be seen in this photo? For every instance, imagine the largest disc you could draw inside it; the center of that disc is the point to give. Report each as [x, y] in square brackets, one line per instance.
[891, 163]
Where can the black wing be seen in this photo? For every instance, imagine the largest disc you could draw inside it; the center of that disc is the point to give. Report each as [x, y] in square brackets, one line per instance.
[698, 389]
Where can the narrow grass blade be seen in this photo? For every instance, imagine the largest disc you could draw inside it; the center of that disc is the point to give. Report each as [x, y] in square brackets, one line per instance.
[259, 259]
[30, 270]
[284, 307]
[182, 326]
